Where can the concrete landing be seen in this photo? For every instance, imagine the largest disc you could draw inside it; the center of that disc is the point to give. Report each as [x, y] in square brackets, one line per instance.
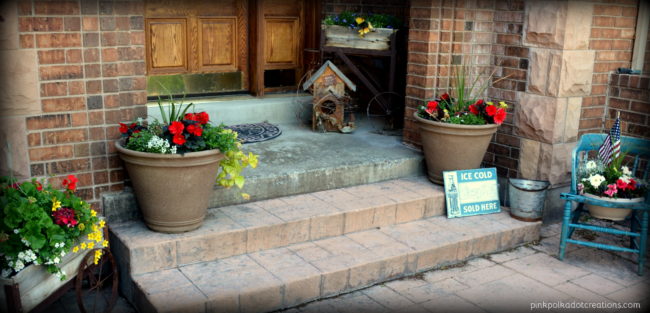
[284, 277]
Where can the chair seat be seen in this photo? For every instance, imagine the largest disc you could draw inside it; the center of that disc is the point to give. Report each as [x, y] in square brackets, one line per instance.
[605, 203]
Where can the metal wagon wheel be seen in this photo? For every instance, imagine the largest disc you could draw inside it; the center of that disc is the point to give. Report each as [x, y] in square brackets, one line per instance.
[96, 284]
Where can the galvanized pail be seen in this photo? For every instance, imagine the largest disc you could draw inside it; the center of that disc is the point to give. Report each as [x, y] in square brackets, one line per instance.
[527, 198]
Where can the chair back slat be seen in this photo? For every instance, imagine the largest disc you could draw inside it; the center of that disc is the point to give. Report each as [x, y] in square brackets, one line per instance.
[636, 164]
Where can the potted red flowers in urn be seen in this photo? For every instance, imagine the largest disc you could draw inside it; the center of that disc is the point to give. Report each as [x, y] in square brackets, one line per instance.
[173, 166]
[456, 129]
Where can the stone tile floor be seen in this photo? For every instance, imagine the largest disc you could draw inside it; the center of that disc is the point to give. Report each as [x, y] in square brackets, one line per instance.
[514, 280]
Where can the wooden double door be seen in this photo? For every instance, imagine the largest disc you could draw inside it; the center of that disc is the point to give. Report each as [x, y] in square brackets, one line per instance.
[260, 40]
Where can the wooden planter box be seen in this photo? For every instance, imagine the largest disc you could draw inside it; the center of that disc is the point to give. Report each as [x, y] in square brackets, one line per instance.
[345, 37]
[36, 284]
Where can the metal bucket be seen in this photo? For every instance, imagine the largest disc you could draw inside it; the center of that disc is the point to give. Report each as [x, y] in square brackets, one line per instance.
[527, 199]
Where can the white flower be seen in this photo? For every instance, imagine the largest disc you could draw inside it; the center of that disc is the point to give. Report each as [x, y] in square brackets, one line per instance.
[21, 255]
[625, 178]
[62, 253]
[139, 120]
[157, 144]
[591, 165]
[16, 231]
[56, 260]
[173, 150]
[596, 179]
[626, 171]
[6, 272]
[19, 266]
[37, 262]
[58, 275]
[25, 241]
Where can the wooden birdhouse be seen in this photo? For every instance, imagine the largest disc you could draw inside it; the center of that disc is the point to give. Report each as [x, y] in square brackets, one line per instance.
[330, 99]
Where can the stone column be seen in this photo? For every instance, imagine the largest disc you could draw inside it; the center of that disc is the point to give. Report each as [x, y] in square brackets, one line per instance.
[560, 74]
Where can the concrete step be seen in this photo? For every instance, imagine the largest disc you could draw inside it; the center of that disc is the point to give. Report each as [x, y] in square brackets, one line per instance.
[288, 276]
[267, 224]
[302, 161]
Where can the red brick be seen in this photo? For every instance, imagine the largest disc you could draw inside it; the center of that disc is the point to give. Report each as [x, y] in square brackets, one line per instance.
[51, 56]
[629, 11]
[58, 40]
[605, 33]
[625, 22]
[91, 55]
[24, 8]
[627, 33]
[109, 55]
[48, 121]
[76, 87]
[34, 139]
[72, 24]
[97, 133]
[79, 119]
[54, 89]
[641, 107]
[93, 86]
[604, 21]
[122, 23]
[622, 45]
[593, 112]
[90, 23]
[69, 166]
[600, 44]
[73, 56]
[99, 177]
[56, 7]
[40, 24]
[92, 70]
[111, 101]
[60, 72]
[590, 123]
[611, 10]
[96, 118]
[506, 39]
[50, 153]
[137, 38]
[26, 41]
[64, 136]
[64, 104]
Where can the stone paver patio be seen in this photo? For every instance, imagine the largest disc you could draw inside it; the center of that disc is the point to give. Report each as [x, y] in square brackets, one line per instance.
[512, 280]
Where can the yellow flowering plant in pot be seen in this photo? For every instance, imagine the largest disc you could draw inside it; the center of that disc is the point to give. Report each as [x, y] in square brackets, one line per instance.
[44, 226]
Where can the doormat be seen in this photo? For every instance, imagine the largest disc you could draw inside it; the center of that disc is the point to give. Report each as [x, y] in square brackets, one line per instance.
[256, 132]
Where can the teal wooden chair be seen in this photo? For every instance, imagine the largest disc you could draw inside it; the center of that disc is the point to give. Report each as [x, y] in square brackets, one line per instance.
[638, 233]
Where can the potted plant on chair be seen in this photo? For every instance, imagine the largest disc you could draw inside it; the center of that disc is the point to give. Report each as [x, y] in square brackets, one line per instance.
[612, 183]
[456, 129]
[173, 166]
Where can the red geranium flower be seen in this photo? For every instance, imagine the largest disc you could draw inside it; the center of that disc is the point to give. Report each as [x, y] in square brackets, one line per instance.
[445, 97]
[39, 186]
[179, 139]
[64, 217]
[499, 116]
[432, 106]
[202, 118]
[70, 182]
[189, 116]
[491, 110]
[631, 185]
[621, 184]
[176, 128]
[123, 128]
[479, 102]
[473, 109]
[194, 130]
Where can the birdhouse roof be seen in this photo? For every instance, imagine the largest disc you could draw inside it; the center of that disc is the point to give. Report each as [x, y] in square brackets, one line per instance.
[336, 70]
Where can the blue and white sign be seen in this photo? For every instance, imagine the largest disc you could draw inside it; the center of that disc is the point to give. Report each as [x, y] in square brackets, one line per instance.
[471, 192]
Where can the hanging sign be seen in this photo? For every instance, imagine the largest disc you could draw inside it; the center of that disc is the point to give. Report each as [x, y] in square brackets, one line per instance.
[471, 192]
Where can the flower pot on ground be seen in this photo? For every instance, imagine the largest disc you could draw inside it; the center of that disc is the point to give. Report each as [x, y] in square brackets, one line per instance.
[610, 182]
[174, 164]
[456, 130]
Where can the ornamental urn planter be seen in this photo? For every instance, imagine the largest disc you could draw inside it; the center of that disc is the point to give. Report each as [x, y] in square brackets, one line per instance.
[450, 147]
[346, 37]
[172, 190]
[612, 214]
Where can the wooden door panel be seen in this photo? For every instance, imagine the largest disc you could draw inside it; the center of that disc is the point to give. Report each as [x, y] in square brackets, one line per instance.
[218, 44]
[281, 42]
[167, 49]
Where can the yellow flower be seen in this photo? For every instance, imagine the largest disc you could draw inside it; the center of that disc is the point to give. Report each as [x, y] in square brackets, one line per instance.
[82, 226]
[102, 223]
[93, 213]
[105, 243]
[95, 228]
[75, 249]
[91, 245]
[359, 20]
[55, 204]
[490, 103]
[503, 105]
[246, 196]
[98, 255]
[83, 246]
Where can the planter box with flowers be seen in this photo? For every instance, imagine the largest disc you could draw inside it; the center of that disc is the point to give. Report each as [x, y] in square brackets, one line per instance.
[173, 166]
[43, 235]
[352, 30]
[456, 130]
[611, 183]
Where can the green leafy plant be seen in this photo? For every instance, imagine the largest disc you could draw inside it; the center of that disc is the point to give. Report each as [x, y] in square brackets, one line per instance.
[612, 181]
[364, 23]
[41, 225]
[182, 132]
[462, 103]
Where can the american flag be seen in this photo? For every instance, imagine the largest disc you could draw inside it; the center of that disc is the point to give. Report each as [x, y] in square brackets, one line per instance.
[611, 147]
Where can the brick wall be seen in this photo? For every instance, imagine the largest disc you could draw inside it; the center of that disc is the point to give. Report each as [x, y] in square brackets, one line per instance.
[91, 75]
[629, 95]
[612, 37]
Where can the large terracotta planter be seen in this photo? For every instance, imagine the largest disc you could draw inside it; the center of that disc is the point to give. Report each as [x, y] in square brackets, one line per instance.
[450, 147]
[612, 214]
[172, 190]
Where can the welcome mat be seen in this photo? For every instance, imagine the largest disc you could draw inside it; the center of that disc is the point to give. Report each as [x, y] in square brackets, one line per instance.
[256, 132]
